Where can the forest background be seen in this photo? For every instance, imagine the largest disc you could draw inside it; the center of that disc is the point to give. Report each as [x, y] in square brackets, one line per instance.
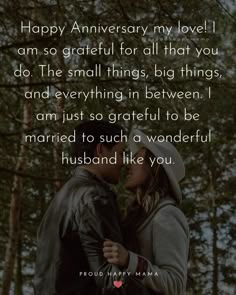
[30, 174]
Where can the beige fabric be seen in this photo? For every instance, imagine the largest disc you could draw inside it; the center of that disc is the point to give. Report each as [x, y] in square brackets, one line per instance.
[164, 242]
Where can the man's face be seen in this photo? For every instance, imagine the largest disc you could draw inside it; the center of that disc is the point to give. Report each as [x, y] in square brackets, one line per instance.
[111, 172]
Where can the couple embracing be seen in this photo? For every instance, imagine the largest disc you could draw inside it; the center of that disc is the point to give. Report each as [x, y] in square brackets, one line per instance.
[84, 248]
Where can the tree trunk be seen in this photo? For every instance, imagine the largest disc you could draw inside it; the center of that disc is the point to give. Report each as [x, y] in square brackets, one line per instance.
[18, 275]
[15, 207]
[215, 278]
[213, 224]
[57, 148]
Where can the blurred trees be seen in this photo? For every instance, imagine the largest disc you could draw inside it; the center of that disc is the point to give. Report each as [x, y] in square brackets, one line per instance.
[31, 173]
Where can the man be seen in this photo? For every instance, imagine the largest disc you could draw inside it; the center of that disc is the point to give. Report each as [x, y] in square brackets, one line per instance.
[80, 218]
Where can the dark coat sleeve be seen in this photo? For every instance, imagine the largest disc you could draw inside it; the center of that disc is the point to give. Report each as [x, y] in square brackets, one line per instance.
[98, 219]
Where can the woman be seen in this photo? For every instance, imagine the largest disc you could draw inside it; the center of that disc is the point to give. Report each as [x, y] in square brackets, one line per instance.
[156, 230]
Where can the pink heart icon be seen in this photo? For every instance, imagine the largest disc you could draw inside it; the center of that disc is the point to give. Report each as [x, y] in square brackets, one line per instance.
[117, 284]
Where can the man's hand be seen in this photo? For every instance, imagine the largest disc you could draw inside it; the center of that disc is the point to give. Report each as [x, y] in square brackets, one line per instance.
[115, 253]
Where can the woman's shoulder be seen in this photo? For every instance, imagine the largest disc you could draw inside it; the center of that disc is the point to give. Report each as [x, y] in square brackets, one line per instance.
[172, 215]
[166, 214]
[170, 209]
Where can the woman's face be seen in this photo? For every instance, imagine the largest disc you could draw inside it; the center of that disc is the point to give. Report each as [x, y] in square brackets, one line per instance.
[138, 175]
